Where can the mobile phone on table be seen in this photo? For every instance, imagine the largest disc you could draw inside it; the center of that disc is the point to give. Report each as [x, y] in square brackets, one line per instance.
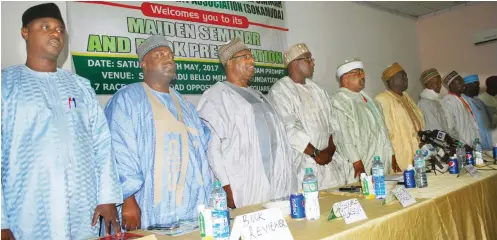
[351, 189]
[170, 226]
[124, 236]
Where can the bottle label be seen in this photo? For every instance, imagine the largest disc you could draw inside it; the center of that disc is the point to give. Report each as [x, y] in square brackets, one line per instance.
[312, 210]
[219, 203]
[220, 224]
[378, 172]
[310, 186]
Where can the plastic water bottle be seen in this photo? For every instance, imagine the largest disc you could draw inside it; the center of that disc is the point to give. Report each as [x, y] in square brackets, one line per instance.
[461, 155]
[220, 213]
[311, 194]
[379, 178]
[478, 152]
[420, 168]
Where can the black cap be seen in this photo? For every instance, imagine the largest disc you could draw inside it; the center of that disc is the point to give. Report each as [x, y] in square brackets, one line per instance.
[41, 11]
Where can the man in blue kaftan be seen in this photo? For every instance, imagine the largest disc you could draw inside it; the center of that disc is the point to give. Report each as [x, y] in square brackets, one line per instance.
[480, 111]
[58, 175]
[159, 143]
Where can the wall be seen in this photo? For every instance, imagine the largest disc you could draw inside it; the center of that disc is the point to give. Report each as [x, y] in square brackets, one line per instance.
[445, 40]
[335, 31]
[339, 31]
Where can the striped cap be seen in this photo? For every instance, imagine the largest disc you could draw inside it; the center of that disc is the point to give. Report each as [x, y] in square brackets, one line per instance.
[227, 51]
[449, 77]
[294, 52]
[391, 71]
[150, 44]
[427, 75]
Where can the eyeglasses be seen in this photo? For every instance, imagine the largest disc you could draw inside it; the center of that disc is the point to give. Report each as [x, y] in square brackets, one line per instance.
[308, 59]
[357, 72]
[244, 56]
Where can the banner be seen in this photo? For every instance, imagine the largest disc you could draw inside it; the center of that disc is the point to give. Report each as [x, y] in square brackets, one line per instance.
[103, 37]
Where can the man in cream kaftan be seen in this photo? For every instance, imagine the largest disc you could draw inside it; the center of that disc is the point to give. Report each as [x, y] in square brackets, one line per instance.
[403, 118]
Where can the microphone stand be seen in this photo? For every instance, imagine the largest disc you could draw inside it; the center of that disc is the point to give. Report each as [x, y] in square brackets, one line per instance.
[434, 167]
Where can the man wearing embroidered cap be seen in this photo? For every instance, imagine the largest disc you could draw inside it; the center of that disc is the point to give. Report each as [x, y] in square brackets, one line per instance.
[306, 112]
[480, 110]
[57, 168]
[460, 119]
[430, 101]
[159, 143]
[363, 131]
[402, 116]
[249, 150]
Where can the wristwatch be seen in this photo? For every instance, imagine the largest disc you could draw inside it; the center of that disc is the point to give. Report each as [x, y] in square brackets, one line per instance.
[315, 153]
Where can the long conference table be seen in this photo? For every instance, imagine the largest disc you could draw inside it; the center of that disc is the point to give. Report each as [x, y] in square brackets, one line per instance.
[449, 208]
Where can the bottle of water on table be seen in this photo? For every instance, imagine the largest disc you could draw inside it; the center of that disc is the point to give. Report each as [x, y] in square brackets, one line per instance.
[461, 155]
[311, 194]
[420, 168]
[379, 178]
[220, 213]
[478, 152]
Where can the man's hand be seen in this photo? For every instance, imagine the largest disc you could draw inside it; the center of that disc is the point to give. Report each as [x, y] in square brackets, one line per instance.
[131, 214]
[323, 158]
[358, 168]
[229, 195]
[331, 146]
[7, 235]
[395, 166]
[109, 214]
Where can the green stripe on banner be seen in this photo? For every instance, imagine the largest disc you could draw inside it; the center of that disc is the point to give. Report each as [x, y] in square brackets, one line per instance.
[109, 73]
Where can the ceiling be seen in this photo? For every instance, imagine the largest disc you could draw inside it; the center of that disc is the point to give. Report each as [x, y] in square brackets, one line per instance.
[414, 9]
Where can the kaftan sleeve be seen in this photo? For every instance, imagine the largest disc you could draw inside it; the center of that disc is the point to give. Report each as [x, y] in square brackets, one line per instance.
[7, 125]
[429, 116]
[282, 102]
[212, 111]
[124, 146]
[109, 189]
[345, 140]
[388, 117]
[449, 108]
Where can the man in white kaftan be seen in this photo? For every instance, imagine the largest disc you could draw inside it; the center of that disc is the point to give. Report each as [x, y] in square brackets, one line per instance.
[249, 150]
[364, 134]
[430, 101]
[460, 118]
[306, 112]
[159, 143]
[58, 175]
